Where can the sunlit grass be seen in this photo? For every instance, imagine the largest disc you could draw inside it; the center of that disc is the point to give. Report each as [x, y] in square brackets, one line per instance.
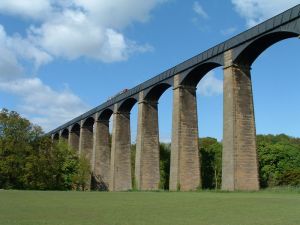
[153, 208]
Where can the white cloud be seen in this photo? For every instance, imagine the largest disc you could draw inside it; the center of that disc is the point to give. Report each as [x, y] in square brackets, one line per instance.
[75, 36]
[256, 11]
[199, 10]
[210, 85]
[35, 9]
[78, 28]
[9, 66]
[15, 49]
[118, 14]
[43, 105]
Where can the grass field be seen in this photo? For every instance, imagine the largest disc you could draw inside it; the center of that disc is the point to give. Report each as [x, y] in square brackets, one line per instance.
[149, 208]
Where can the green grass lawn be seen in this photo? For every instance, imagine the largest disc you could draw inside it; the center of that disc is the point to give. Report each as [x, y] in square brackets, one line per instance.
[151, 208]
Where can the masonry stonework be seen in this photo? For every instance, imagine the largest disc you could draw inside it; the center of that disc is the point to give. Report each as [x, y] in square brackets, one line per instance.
[120, 167]
[73, 140]
[240, 164]
[185, 169]
[102, 153]
[147, 175]
[86, 145]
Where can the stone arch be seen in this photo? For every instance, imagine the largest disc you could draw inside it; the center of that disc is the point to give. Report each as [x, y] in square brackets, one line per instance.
[88, 122]
[56, 136]
[65, 134]
[75, 128]
[127, 105]
[250, 52]
[156, 92]
[193, 76]
[105, 114]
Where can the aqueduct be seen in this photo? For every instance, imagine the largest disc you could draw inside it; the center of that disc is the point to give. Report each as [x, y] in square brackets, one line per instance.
[89, 133]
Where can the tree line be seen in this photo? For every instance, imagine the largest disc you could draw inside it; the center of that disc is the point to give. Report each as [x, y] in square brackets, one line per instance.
[30, 160]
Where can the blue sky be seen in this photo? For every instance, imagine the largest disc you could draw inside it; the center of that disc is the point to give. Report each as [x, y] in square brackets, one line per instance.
[60, 58]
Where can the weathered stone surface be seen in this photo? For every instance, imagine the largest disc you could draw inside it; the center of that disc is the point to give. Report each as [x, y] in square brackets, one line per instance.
[185, 170]
[102, 154]
[120, 167]
[147, 146]
[239, 166]
[73, 141]
[86, 145]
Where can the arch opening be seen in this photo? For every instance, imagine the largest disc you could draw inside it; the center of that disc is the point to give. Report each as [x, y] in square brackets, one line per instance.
[89, 123]
[195, 75]
[75, 128]
[156, 92]
[127, 105]
[56, 136]
[252, 51]
[65, 134]
[105, 115]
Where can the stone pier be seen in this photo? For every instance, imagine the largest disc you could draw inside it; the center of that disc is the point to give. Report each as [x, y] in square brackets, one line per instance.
[120, 167]
[239, 166]
[102, 154]
[86, 144]
[185, 170]
[147, 175]
[73, 140]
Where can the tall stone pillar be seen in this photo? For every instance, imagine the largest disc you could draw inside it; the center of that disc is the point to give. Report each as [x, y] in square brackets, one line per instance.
[102, 154]
[86, 146]
[239, 158]
[120, 167]
[86, 143]
[147, 175]
[185, 170]
[73, 140]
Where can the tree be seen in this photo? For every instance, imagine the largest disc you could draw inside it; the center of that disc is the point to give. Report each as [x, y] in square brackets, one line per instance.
[82, 175]
[210, 151]
[16, 136]
[132, 158]
[164, 163]
[279, 160]
[29, 160]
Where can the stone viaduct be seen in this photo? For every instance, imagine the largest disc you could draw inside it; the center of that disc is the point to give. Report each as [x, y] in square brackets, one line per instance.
[89, 133]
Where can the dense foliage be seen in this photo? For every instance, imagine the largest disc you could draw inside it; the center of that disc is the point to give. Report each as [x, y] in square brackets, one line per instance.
[279, 160]
[211, 163]
[29, 160]
[164, 165]
[278, 155]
